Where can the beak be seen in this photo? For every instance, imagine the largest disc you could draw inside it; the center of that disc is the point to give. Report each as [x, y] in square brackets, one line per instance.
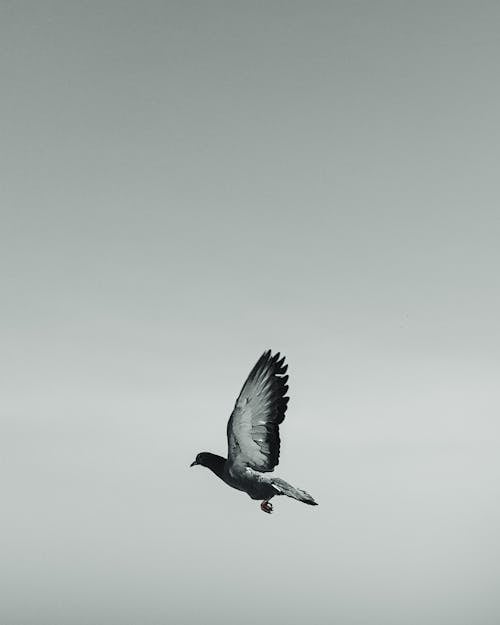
[193, 464]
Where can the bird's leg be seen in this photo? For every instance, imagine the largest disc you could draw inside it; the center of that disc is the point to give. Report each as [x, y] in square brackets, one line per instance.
[265, 506]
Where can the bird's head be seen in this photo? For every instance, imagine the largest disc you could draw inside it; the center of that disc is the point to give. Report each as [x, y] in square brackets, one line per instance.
[201, 458]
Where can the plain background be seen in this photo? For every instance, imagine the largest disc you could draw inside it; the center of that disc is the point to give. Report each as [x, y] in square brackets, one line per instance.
[185, 184]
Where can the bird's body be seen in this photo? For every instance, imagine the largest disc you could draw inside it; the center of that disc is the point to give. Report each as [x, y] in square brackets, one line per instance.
[257, 486]
[253, 436]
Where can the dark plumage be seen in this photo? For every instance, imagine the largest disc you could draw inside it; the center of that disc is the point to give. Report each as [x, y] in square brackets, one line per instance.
[253, 436]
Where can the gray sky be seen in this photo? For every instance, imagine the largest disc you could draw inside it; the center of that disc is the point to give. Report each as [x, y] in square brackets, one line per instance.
[185, 184]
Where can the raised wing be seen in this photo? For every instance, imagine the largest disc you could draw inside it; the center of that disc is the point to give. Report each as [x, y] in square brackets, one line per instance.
[253, 428]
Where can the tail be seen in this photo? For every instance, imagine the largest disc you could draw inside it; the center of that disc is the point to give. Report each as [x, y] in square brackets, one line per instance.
[284, 488]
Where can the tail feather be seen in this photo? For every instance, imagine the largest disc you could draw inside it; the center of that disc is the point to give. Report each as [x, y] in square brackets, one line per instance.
[284, 488]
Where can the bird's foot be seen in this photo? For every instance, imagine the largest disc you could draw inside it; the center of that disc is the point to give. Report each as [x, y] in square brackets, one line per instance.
[265, 506]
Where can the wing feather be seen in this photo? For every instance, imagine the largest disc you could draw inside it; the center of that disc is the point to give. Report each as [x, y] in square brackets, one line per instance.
[253, 428]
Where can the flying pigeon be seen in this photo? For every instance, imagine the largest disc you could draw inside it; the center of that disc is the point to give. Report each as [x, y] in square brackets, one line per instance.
[253, 436]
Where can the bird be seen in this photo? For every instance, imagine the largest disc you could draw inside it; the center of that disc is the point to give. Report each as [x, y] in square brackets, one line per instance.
[253, 436]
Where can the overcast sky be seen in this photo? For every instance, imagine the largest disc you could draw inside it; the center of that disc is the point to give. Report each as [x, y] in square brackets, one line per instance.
[185, 184]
